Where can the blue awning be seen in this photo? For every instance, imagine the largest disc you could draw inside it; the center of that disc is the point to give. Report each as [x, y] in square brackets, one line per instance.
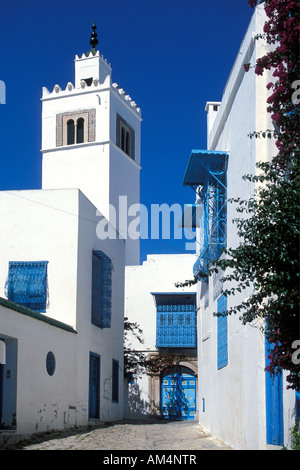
[201, 163]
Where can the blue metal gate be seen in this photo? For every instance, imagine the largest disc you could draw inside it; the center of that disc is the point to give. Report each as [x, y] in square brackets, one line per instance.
[178, 394]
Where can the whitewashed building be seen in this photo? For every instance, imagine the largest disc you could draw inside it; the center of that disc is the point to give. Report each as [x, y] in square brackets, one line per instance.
[240, 403]
[167, 317]
[62, 260]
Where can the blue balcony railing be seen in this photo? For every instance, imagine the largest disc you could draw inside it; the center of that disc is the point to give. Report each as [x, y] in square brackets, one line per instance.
[207, 174]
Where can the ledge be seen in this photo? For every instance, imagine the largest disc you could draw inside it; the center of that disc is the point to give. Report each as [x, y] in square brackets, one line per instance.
[36, 315]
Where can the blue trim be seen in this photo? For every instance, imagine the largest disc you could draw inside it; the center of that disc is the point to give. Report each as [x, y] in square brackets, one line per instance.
[174, 294]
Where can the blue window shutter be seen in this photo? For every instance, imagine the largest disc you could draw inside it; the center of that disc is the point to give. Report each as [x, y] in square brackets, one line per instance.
[27, 284]
[115, 381]
[101, 289]
[222, 334]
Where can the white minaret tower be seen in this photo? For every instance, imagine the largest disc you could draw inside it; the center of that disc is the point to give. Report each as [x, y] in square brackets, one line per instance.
[91, 134]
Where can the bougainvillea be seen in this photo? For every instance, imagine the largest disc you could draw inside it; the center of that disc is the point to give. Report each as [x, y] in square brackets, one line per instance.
[276, 213]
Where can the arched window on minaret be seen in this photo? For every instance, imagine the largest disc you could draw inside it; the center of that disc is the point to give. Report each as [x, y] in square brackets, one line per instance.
[70, 132]
[123, 137]
[80, 131]
[127, 143]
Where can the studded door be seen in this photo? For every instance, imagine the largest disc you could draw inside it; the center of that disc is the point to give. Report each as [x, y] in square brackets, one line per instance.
[178, 394]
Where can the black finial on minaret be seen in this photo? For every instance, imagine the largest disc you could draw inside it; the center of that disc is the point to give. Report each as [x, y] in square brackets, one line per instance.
[94, 40]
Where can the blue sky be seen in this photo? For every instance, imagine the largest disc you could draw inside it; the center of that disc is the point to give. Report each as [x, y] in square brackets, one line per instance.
[171, 56]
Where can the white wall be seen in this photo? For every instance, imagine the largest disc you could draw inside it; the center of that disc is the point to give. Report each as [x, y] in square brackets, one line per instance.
[100, 169]
[235, 395]
[59, 226]
[43, 225]
[42, 402]
[107, 342]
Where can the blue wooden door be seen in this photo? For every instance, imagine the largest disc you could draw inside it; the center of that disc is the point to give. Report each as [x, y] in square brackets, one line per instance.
[94, 386]
[274, 404]
[178, 394]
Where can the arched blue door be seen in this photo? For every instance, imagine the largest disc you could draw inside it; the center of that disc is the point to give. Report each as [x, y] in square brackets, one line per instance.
[178, 394]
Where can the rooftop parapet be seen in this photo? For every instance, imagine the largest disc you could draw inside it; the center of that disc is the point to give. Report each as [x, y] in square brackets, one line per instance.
[92, 73]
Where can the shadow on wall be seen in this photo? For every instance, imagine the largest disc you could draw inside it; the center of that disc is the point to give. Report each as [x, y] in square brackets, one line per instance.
[137, 406]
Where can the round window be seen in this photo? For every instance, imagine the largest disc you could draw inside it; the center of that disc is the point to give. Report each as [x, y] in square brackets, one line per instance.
[50, 363]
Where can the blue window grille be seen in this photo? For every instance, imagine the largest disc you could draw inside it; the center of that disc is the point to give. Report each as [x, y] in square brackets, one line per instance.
[101, 289]
[207, 174]
[176, 322]
[115, 381]
[222, 334]
[27, 284]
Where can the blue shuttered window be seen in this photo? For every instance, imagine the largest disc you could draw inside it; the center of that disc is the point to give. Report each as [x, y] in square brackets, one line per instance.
[222, 334]
[115, 381]
[27, 284]
[176, 323]
[101, 289]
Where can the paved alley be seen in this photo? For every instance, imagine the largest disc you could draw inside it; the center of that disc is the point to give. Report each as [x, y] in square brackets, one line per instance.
[127, 435]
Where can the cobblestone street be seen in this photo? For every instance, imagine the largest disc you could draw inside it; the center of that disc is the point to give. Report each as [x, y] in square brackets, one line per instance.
[127, 435]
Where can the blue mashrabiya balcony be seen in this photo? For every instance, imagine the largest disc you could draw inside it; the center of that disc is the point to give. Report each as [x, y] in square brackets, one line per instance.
[176, 325]
[206, 173]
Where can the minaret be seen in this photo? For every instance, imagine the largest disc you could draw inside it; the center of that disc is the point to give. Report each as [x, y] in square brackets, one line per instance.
[91, 140]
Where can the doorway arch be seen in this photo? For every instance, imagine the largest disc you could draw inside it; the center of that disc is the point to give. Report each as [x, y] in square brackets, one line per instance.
[178, 393]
